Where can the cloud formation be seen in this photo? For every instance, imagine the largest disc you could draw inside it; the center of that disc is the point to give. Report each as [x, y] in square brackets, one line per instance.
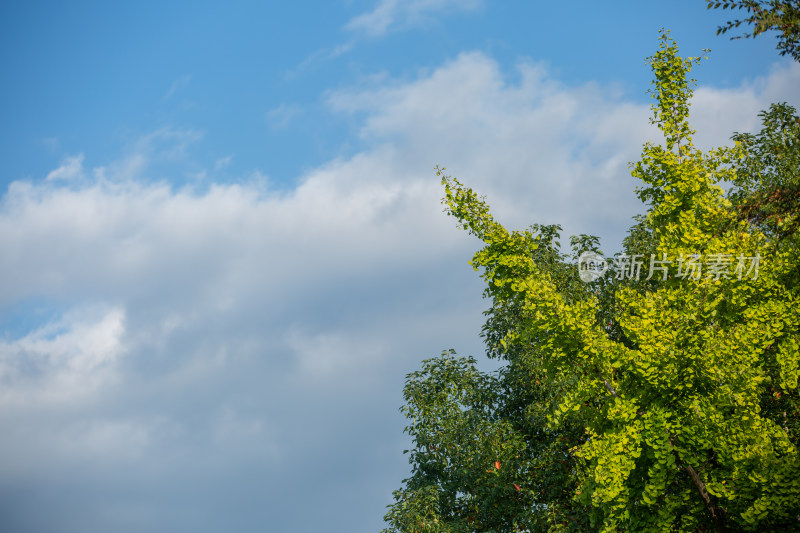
[71, 168]
[63, 361]
[391, 15]
[237, 335]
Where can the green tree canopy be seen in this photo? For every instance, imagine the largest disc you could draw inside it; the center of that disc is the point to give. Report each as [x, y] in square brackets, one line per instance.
[659, 395]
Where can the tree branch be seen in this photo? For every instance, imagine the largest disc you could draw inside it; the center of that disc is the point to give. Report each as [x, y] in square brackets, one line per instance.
[717, 513]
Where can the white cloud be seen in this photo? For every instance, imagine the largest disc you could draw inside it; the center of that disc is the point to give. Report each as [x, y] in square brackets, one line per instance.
[222, 162]
[70, 169]
[280, 117]
[541, 151]
[164, 145]
[63, 361]
[394, 14]
[387, 16]
[323, 54]
[177, 85]
[717, 113]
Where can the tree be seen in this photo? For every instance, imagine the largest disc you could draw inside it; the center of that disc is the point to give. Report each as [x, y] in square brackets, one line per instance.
[767, 186]
[779, 15]
[627, 403]
[767, 183]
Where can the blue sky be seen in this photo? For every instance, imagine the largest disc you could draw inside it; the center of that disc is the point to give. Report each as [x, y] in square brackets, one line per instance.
[223, 247]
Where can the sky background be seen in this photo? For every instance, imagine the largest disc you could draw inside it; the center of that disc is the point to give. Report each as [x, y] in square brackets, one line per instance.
[222, 240]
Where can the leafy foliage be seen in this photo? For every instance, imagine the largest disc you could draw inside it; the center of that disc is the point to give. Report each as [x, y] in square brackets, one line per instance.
[665, 403]
[779, 15]
[767, 192]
